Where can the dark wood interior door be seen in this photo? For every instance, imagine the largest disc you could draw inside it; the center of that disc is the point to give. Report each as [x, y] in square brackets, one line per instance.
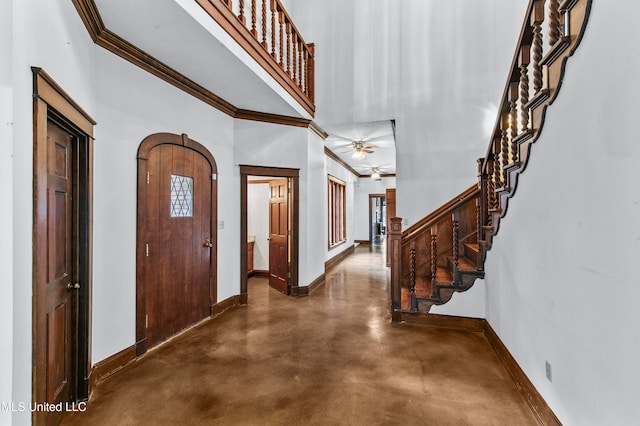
[278, 235]
[61, 283]
[177, 241]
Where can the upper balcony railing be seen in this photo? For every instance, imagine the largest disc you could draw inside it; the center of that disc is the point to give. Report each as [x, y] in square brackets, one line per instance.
[266, 31]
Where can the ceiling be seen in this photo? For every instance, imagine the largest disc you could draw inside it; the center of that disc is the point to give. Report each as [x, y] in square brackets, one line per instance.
[181, 35]
[378, 134]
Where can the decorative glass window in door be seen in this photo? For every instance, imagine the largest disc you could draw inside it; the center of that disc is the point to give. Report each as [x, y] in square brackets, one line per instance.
[181, 196]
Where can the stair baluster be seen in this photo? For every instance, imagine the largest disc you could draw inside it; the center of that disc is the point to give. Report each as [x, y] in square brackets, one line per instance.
[513, 123]
[294, 72]
[504, 149]
[456, 248]
[273, 29]
[254, 31]
[281, 24]
[492, 185]
[537, 17]
[288, 26]
[264, 24]
[524, 87]
[554, 22]
[434, 265]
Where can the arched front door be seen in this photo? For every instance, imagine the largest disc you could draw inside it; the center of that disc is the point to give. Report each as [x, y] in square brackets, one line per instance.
[176, 242]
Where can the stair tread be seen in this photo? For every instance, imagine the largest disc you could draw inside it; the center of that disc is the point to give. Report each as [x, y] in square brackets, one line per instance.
[443, 275]
[464, 264]
[473, 246]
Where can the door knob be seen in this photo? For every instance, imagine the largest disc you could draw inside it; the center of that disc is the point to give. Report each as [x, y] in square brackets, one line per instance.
[73, 286]
[208, 243]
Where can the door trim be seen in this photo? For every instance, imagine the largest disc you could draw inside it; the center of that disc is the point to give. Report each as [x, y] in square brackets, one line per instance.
[276, 172]
[145, 147]
[372, 196]
[50, 101]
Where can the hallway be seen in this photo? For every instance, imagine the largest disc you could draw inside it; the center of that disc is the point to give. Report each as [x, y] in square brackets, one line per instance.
[330, 358]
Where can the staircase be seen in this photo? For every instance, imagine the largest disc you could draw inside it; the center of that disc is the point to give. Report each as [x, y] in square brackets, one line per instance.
[444, 252]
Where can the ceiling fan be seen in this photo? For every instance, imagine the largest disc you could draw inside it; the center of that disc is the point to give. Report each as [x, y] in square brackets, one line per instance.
[374, 172]
[360, 150]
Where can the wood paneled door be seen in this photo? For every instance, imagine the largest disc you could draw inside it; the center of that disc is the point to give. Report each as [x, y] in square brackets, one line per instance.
[62, 264]
[284, 209]
[62, 249]
[279, 234]
[176, 237]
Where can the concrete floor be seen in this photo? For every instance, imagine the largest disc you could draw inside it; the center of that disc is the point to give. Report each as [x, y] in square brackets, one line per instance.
[332, 358]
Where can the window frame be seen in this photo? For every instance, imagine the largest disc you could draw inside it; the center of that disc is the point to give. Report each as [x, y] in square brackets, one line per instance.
[336, 212]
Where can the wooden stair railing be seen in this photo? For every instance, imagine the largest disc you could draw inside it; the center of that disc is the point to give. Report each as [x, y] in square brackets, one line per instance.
[267, 32]
[436, 256]
[445, 251]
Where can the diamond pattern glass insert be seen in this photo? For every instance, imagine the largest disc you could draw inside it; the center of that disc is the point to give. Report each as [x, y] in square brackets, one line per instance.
[181, 196]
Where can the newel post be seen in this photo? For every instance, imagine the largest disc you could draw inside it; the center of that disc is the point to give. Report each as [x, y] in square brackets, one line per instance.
[395, 238]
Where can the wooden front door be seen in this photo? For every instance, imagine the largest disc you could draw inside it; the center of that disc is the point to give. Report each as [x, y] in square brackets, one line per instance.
[278, 235]
[62, 267]
[176, 241]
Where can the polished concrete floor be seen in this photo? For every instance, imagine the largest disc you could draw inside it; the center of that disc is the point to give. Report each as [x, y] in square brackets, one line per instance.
[332, 358]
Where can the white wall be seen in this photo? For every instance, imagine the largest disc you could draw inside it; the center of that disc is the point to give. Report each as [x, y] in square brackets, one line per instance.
[49, 35]
[6, 213]
[131, 104]
[316, 214]
[438, 68]
[561, 277]
[258, 223]
[272, 145]
[364, 187]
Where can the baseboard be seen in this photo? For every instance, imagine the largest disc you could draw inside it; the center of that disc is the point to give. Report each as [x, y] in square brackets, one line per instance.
[529, 393]
[222, 306]
[112, 364]
[118, 361]
[338, 258]
[474, 325]
[259, 273]
[308, 289]
[362, 241]
[527, 390]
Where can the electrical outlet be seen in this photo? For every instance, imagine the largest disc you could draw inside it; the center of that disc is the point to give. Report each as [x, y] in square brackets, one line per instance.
[547, 369]
[221, 224]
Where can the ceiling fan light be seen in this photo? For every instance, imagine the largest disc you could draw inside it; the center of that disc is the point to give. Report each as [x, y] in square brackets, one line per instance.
[376, 175]
[358, 155]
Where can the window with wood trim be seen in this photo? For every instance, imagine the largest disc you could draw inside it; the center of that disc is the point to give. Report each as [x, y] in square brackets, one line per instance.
[337, 211]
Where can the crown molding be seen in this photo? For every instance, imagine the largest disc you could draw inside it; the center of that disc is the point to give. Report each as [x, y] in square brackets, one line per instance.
[244, 114]
[318, 130]
[340, 161]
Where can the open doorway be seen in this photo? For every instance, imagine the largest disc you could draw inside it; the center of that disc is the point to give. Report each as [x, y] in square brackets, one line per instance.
[377, 218]
[277, 257]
